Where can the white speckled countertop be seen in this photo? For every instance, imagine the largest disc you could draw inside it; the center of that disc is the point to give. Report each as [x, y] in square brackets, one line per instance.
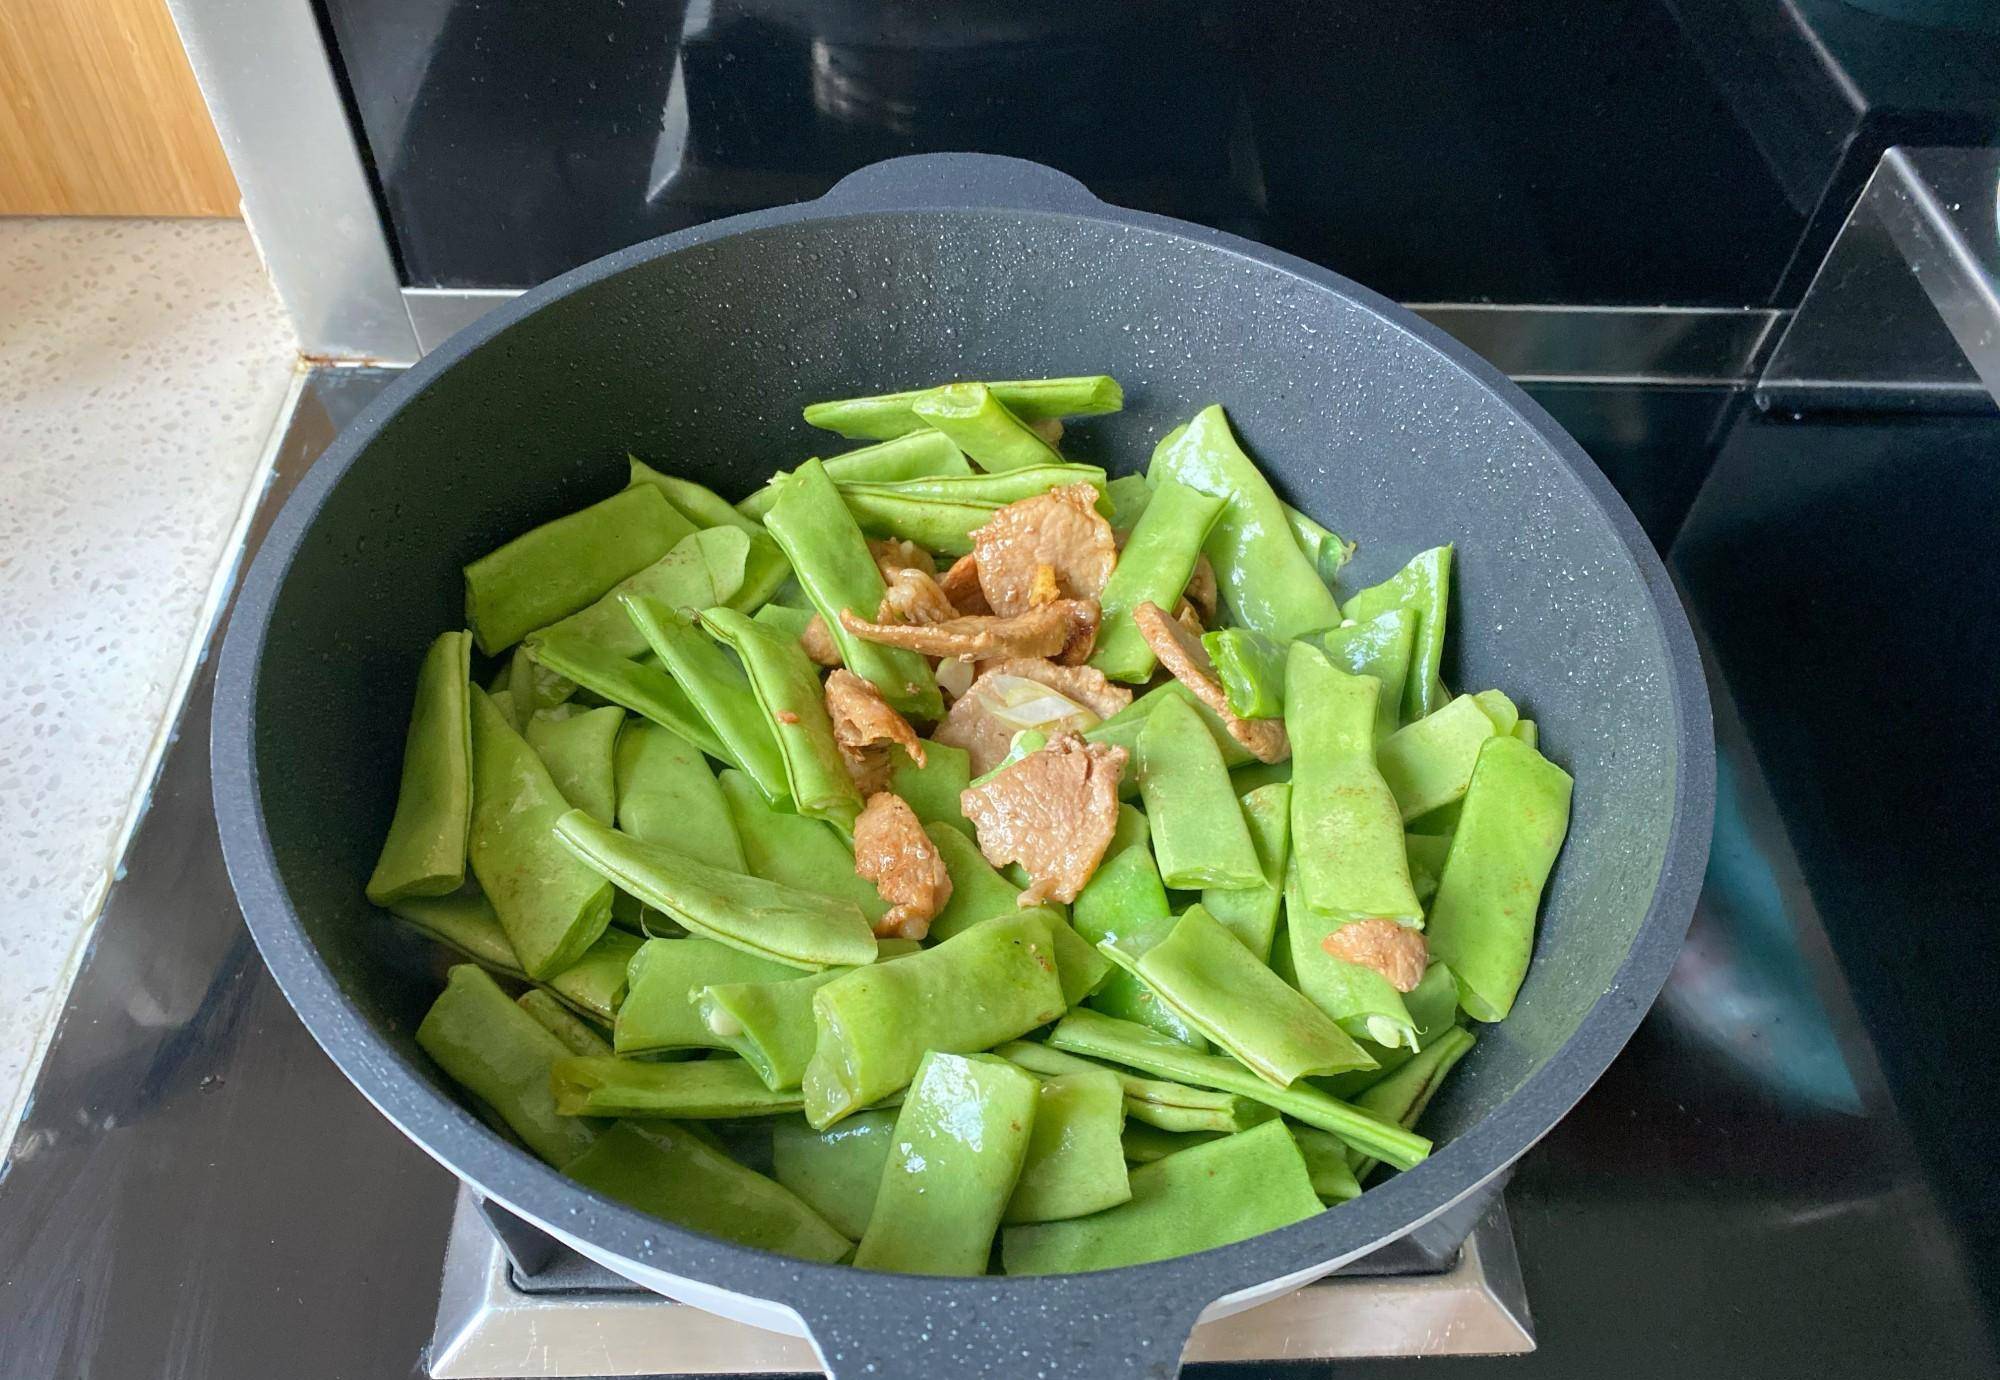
[142, 365]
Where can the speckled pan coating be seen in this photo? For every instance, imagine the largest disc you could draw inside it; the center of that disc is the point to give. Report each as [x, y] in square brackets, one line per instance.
[696, 352]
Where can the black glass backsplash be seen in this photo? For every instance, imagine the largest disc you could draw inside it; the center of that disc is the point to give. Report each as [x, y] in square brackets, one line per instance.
[1437, 150]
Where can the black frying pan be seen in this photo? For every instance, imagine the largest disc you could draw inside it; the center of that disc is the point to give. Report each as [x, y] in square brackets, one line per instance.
[696, 351]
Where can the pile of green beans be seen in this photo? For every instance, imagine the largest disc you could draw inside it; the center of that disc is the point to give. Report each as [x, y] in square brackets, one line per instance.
[624, 808]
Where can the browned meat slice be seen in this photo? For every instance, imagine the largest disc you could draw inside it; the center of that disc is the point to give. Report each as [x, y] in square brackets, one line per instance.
[1061, 529]
[1395, 951]
[974, 724]
[1189, 618]
[1200, 589]
[819, 643]
[892, 851]
[914, 597]
[1065, 630]
[1052, 812]
[961, 585]
[1182, 653]
[863, 723]
[894, 554]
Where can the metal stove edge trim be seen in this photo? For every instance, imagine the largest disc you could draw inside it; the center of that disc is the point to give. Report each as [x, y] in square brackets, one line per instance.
[487, 1328]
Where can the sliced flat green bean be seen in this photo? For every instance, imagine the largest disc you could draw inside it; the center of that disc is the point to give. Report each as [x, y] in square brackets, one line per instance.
[1402, 1096]
[1526, 731]
[1125, 900]
[1433, 1009]
[1382, 647]
[1129, 495]
[1224, 991]
[719, 688]
[1429, 763]
[888, 415]
[1326, 549]
[1120, 1042]
[1145, 1144]
[1155, 1102]
[1266, 582]
[1326, 1155]
[1423, 587]
[594, 985]
[799, 928]
[932, 790]
[919, 455]
[424, 854]
[1482, 920]
[1198, 833]
[533, 687]
[690, 1089]
[1154, 567]
[644, 689]
[837, 571]
[1347, 833]
[578, 1036]
[770, 1024]
[562, 566]
[978, 892]
[1251, 913]
[983, 427]
[1210, 1195]
[809, 854]
[1360, 1000]
[993, 982]
[961, 1138]
[498, 1053]
[578, 747]
[1122, 730]
[552, 907]
[997, 490]
[837, 1171]
[659, 1011]
[787, 694]
[1426, 856]
[668, 795]
[932, 523]
[675, 1174]
[1252, 775]
[764, 565]
[1251, 668]
[706, 569]
[1076, 1159]
[784, 619]
[1499, 708]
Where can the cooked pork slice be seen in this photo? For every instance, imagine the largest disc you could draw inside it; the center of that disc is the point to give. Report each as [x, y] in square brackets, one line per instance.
[1060, 529]
[892, 851]
[1053, 812]
[985, 718]
[1183, 655]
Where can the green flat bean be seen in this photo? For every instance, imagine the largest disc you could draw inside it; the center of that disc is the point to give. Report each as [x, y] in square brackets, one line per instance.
[1425, 853]
[1198, 834]
[1155, 1102]
[1251, 913]
[1251, 668]
[659, 1011]
[424, 854]
[932, 523]
[1210, 1195]
[667, 795]
[644, 689]
[799, 928]
[1075, 1163]
[1381, 647]
[563, 566]
[1526, 731]
[1145, 1144]
[1424, 587]
[577, 746]
[1125, 900]
[888, 415]
[978, 892]
[533, 686]
[1253, 775]
[578, 1036]
[795, 851]
[1122, 730]
[961, 1138]
[1120, 1042]
[691, 1089]
[1433, 1009]
[993, 982]
[1129, 495]
[1429, 763]
[1482, 920]
[1402, 1096]
[1224, 991]
[1327, 550]
[719, 688]
[932, 790]
[995, 490]
[838, 1171]
[593, 986]
[982, 426]
[1499, 708]
[1325, 1155]
[552, 907]
[764, 565]
[498, 1053]
[918, 455]
[833, 563]
[1360, 1000]
[1347, 833]
[783, 619]
[675, 1174]
[770, 1023]
[704, 570]
[787, 694]
[1154, 567]
[1265, 580]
